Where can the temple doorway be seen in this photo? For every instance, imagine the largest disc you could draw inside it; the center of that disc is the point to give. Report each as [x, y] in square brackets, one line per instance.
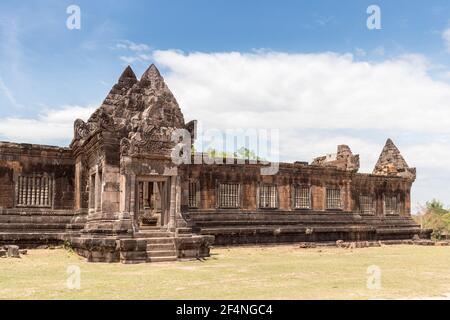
[153, 202]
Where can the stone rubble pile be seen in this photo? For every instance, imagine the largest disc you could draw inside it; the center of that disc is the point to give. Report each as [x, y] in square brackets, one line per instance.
[367, 244]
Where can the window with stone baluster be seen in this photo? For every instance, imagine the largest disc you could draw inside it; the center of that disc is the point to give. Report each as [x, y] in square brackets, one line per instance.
[34, 191]
[194, 194]
[366, 205]
[302, 197]
[229, 195]
[333, 199]
[268, 197]
[391, 205]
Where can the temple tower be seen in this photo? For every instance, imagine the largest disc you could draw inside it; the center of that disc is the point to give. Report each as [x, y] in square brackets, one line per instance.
[125, 177]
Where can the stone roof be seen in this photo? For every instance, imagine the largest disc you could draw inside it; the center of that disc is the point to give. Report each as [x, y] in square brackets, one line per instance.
[392, 163]
[139, 111]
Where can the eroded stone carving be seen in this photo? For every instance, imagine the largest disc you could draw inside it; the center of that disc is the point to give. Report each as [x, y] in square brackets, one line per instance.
[343, 159]
[142, 114]
[392, 163]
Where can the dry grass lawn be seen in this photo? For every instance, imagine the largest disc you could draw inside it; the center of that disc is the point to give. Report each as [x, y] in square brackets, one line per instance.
[281, 272]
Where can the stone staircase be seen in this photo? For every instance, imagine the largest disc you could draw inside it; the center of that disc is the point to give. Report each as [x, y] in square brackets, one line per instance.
[258, 227]
[160, 244]
[31, 228]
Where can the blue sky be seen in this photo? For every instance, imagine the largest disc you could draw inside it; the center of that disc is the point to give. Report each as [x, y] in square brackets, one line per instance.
[59, 66]
[50, 74]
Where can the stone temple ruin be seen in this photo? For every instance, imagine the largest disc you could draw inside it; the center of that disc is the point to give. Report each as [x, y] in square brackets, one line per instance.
[116, 195]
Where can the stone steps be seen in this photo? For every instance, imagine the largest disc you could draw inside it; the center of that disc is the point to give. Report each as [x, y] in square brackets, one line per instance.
[32, 239]
[162, 259]
[184, 232]
[153, 234]
[161, 253]
[159, 240]
[34, 219]
[160, 244]
[30, 226]
[150, 228]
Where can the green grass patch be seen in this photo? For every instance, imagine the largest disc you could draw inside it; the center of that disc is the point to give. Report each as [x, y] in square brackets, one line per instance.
[280, 272]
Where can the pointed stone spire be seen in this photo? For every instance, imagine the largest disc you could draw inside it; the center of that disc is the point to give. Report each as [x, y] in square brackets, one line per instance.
[392, 163]
[117, 93]
[151, 73]
[128, 76]
[153, 79]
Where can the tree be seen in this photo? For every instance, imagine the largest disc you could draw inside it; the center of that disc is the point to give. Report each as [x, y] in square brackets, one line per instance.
[435, 216]
[242, 153]
[437, 207]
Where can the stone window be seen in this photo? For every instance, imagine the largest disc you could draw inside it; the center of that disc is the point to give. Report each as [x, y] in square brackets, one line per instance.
[366, 205]
[194, 194]
[268, 197]
[34, 191]
[334, 198]
[302, 197]
[229, 195]
[390, 205]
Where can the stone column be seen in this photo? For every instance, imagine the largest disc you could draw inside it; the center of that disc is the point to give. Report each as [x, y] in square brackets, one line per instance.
[127, 198]
[179, 220]
[348, 203]
[78, 184]
[173, 202]
[98, 191]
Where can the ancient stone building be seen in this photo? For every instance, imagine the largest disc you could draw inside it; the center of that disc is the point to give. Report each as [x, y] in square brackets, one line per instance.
[117, 195]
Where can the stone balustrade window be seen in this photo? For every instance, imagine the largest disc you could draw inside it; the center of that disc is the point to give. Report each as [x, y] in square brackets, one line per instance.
[302, 197]
[333, 200]
[268, 197]
[390, 205]
[229, 195]
[34, 191]
[194, 193]
[366, 205]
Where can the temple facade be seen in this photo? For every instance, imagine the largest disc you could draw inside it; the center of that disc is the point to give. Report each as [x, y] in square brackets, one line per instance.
[115, 194]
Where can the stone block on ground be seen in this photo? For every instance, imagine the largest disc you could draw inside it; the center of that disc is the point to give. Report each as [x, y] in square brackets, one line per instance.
[307, 245]
[339, 243]
[13, 252]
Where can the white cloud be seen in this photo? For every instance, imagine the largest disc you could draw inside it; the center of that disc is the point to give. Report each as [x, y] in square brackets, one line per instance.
[360, 52]
[316, 100]
[319, 91]
[136, 52]
[321, 100]
[132, 46]
[446, 37]
[379, 51]
[52, 126]
[128, 59]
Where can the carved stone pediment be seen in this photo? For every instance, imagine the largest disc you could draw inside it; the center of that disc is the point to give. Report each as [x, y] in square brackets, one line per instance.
[141, 114]
[82, 130]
